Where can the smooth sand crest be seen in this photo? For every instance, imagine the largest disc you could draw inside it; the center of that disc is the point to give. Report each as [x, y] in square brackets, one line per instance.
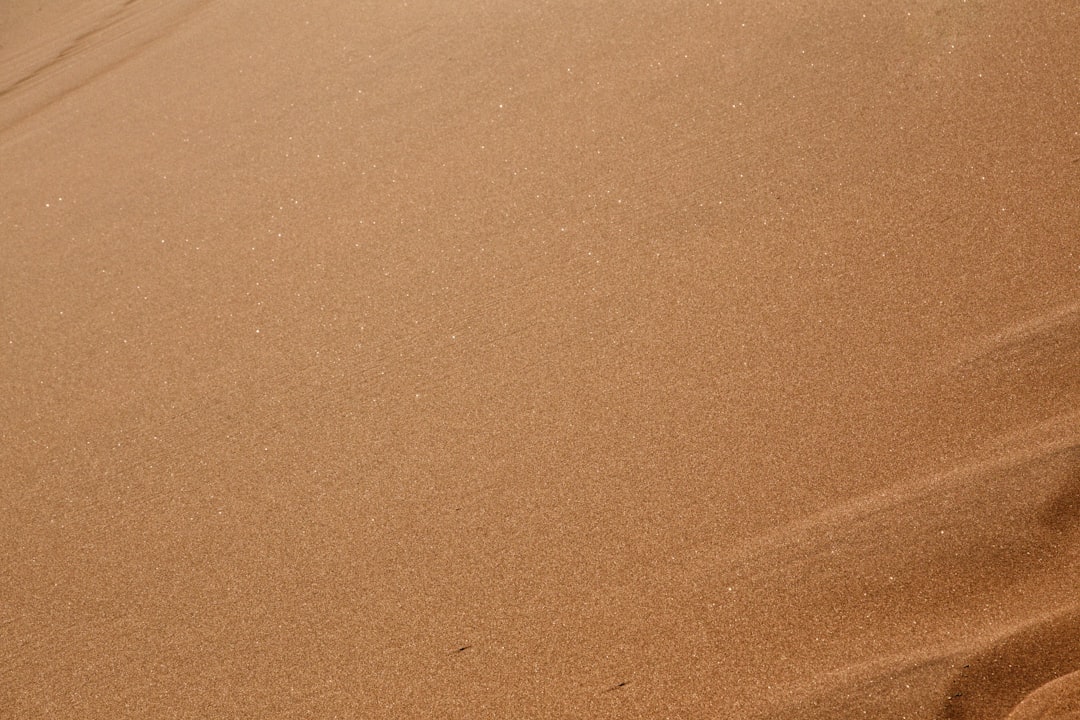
[1058, 699]
[494, 359]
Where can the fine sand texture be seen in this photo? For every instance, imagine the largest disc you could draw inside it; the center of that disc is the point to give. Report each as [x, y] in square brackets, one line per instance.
[502, 359]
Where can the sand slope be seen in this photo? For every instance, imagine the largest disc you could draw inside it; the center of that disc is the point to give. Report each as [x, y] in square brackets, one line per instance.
[498, 359]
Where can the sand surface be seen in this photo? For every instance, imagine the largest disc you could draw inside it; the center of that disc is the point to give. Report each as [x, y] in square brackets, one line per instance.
[500, 359]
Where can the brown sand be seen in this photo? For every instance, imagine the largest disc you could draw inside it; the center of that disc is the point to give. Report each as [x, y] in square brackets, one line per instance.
[539, 360]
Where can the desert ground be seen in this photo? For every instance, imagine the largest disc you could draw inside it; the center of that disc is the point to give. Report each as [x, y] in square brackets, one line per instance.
[560, 359]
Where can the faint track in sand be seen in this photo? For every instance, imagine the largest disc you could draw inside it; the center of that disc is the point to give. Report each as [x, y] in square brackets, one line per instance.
[85, 47]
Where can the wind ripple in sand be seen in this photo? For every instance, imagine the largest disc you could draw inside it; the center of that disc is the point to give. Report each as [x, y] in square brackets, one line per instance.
[1052, 337]
[953, 573]
[1031, 663]
[1013, 380]
[997, 676]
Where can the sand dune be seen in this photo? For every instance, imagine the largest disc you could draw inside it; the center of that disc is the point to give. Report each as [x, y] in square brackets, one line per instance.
[560, 360]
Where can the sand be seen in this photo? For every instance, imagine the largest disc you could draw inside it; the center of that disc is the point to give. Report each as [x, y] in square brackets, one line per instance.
[489, 359]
